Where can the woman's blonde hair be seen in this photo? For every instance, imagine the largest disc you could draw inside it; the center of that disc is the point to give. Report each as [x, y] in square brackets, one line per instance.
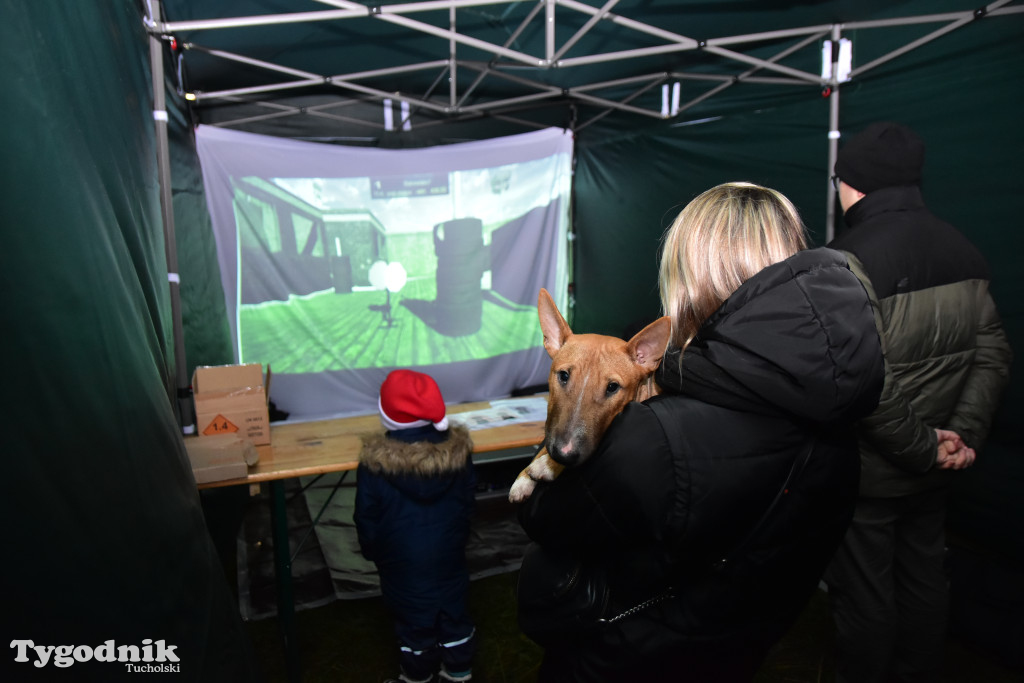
[718, 241]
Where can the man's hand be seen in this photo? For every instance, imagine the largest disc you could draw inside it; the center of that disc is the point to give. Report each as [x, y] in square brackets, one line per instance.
[953, 453]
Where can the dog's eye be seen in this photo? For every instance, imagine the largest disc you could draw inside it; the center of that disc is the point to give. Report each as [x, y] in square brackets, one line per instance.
[563, 377]
[611, 388]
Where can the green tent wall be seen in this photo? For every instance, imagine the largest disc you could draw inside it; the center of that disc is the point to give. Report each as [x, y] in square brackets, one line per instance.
[109, 539]
[204, 316]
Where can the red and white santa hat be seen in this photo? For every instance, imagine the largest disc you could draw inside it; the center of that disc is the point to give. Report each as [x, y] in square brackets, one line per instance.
[411, 399]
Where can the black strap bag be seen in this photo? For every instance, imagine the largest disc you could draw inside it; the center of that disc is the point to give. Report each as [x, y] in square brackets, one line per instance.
[563, 599]
[560, 598]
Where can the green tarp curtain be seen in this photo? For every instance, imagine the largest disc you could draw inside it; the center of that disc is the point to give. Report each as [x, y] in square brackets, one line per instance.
[109, 540]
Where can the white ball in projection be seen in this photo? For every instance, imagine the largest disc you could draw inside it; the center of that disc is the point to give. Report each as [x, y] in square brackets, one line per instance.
[391, 276]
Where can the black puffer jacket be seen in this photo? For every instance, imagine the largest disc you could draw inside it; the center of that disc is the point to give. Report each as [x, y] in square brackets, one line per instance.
[782, 369]
[414, 504]
[947, 355]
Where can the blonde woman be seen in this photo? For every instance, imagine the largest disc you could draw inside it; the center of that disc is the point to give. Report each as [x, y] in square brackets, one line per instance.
[709, 512]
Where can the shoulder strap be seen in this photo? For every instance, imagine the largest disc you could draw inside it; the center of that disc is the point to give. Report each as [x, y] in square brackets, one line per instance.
[794, 471]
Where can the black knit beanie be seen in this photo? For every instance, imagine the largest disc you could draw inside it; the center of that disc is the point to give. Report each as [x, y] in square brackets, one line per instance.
[884, 154]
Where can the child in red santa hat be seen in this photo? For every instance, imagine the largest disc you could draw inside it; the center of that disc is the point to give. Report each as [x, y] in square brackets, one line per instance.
[414, 501]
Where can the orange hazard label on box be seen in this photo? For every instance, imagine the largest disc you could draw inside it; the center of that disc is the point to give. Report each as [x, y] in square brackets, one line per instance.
[220, 425]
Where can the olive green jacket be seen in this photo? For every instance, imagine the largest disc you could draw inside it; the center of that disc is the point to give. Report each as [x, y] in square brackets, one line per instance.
[947, 356]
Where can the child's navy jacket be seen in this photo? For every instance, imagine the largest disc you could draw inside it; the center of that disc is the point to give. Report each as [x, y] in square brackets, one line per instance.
[414, 502]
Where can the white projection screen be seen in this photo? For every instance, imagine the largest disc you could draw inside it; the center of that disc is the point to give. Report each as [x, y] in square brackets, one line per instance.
[340, 264]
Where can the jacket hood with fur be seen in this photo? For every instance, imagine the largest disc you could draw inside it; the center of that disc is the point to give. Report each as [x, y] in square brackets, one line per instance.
[422, 469]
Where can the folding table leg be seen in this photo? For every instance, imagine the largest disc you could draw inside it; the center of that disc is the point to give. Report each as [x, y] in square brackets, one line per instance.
[283, 579]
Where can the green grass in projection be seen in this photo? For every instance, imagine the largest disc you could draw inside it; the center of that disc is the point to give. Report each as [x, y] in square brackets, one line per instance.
[327, 331]
[333, 277]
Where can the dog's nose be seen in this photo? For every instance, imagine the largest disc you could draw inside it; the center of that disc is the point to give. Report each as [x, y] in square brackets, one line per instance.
[565, 454]
[566, 459]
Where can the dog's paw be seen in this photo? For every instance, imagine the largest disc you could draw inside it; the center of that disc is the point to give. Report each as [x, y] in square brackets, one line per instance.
[540, 469]
[521, 489]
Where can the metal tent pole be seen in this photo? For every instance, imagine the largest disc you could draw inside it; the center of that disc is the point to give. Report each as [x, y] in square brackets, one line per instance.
[957, 20]
[453, 90]
[494, 60]
[833, 137]
[746, 76]
[384, 13]
[591, 22]
[156, 57]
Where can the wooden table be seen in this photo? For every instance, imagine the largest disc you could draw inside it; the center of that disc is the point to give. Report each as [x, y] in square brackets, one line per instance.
[302, 449]
[311, 448]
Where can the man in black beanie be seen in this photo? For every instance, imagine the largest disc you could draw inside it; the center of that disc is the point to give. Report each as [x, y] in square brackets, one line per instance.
[947, 362]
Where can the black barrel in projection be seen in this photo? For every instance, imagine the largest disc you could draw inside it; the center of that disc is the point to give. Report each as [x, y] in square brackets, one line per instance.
[459, 245]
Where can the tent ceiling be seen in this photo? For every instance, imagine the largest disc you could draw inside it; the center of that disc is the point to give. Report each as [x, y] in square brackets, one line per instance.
[323, 68]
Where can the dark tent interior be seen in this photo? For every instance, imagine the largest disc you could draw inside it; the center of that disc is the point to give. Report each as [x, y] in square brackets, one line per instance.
[664, 99]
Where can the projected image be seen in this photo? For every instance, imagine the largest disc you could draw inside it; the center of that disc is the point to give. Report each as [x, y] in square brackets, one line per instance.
[396, 270]
[340, 263]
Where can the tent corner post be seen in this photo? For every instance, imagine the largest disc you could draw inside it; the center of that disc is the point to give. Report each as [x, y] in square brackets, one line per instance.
[833, 139]
[183, 406]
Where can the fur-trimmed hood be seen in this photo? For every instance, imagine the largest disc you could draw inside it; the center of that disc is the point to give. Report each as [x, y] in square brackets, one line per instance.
[392, 457]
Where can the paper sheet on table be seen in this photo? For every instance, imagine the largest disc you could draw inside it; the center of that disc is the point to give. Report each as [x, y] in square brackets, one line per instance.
[504, 412]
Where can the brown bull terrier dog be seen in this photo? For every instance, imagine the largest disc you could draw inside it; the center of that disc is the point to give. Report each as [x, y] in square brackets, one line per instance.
[592, 378]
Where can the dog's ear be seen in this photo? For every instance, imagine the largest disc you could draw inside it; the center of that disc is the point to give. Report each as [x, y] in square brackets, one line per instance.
[552, 324]
[648, 345]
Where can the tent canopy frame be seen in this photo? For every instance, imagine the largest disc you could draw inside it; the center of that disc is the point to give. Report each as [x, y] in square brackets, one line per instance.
[504, 58]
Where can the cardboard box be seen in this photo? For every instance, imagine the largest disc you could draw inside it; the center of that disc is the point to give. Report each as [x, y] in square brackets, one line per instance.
[230, 399]
[220, 457]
